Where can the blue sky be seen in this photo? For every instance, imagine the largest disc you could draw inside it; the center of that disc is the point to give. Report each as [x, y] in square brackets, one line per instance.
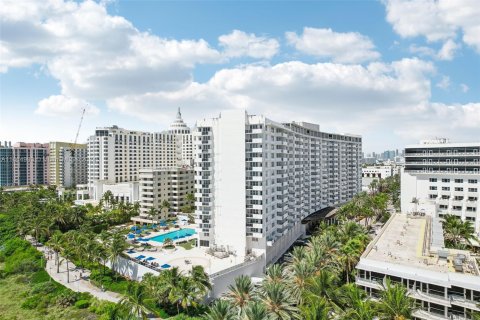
[393, 71]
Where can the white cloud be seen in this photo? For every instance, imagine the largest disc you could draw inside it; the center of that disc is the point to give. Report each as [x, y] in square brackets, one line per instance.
[446, 52]
[60, 105]
[457, 121]
[95, 55]
[349, 47]
[444, 83]
[318, 92]
[239, 43]
[436, 20]
[464, 87]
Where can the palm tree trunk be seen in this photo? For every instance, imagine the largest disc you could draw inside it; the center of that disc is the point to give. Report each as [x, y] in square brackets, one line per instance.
[68, 273]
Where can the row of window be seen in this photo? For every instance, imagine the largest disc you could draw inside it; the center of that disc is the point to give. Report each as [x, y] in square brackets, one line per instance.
[433, 188]
[473, 181]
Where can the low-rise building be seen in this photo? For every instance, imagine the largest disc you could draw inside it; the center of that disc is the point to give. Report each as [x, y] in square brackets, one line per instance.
[371, 173]
[409, 250]
[164, 185]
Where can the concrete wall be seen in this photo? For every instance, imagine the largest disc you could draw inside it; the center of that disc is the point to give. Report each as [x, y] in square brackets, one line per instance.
[131, 269]
[221, 280]
[229, 186]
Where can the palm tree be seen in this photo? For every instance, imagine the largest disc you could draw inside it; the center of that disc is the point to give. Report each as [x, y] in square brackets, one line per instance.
[456, 230]
[351, 252]
[355, 304]
[220, 310]
[279, 301]
[152, 213]
[241, 293]
[68, 254]
[275, 274]
[300, 272]
[322, 285]
[134, 302]
[395, 302]
[55, 243]
[200, 279]
[165, 206]
[315, 310]
[185, 294]
[373, 186]
[116, 247]
[255, 311]
[168, 281]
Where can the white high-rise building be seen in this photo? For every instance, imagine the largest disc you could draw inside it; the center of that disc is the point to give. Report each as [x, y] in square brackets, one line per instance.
[442, 177]
[116, 155]
[256, 180]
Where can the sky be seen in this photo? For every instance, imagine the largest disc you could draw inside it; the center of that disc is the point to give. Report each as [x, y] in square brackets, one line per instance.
[392, 71]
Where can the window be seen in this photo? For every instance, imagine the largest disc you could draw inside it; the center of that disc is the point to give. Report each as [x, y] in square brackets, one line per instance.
[443, 206]
[458, 198]
[445, 188]
[472, 181]
[433, 179]
[446, 180]
[472, 198]
[458, 180]
[457, 208]
[433, 188]
[472, 189]
[432, 196]
[445, 197]
[458, 189]
[471, 209]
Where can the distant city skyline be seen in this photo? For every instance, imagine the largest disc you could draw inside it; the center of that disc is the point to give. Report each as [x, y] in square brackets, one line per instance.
[351, 67]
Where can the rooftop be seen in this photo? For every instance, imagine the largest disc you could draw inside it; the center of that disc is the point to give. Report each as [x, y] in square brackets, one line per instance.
[415, 242]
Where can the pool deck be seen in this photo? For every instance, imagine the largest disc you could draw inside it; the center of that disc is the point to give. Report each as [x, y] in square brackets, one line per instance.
[184, 259]
[162, 232]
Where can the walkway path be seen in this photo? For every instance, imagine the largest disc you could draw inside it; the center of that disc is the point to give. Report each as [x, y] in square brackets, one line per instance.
[78, 279]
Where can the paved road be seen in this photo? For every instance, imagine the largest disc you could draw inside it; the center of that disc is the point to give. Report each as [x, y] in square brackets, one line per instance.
[78, 280]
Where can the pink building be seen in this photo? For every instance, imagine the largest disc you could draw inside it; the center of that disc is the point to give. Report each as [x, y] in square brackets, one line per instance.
[30, 163]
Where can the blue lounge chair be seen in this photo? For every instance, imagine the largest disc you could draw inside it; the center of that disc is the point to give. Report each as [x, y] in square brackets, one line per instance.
[165, 266]
[130, 251]
[140, 257]
[150, 259]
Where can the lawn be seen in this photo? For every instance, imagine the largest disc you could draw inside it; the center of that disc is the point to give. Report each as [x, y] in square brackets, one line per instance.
[188, 245]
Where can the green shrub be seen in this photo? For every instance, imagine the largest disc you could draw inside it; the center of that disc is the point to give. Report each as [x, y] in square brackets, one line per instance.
[82, 304]
[43, 288]
[31, 303]
[40, 276]
[66, 298]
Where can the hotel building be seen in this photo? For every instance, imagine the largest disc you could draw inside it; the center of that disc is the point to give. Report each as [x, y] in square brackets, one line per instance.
[30, 164]
[60, 164]
[409, 250]
[116, 155]
[442, 177]
[6, 164]
[256, 179]
[164, 184]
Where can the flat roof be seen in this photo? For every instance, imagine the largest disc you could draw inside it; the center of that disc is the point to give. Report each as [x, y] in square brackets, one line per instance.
[405, 243]
[443, 145]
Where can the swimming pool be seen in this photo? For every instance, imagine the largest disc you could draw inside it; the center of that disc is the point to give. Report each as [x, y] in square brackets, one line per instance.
[174, 235]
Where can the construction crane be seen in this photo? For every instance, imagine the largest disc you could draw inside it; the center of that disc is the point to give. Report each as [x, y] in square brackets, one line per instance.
[73, 147]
